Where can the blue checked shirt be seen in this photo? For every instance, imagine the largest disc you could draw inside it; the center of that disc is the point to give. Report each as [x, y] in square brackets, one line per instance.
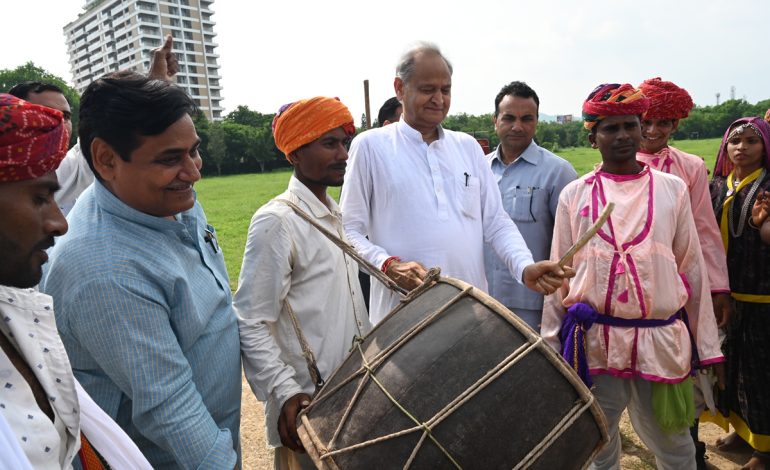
[144, 309]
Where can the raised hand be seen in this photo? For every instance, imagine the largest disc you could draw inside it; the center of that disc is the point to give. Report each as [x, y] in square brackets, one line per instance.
[761, 208]
[164, 64]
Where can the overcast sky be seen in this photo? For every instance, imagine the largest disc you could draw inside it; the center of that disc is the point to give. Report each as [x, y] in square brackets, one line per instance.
[272, 53]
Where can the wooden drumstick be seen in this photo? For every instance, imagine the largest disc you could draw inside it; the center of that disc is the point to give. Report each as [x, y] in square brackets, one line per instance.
[588, 235]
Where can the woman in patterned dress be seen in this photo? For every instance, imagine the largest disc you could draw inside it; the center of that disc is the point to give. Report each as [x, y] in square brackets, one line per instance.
[741, 178]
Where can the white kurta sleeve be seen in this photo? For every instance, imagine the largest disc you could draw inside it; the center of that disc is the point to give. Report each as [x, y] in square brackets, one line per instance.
[355, 203]
[262, 287]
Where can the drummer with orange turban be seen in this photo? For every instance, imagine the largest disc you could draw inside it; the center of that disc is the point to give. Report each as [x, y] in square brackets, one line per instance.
[298, 294]
[668, 105]
[637, 318]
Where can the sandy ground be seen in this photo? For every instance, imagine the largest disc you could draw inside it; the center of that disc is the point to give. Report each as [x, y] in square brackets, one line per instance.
[256, 455]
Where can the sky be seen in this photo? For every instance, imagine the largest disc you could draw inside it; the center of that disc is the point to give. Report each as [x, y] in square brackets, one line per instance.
[272, 53]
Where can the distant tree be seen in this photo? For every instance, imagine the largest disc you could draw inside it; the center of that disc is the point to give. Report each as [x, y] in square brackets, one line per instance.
[30, 72]
[267, 153]
[243, 115]
[216, 147]
[240, 141]
[477, 126]
[712, 121]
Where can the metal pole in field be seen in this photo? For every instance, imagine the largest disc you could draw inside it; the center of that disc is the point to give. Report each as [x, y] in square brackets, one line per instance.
[366, 103]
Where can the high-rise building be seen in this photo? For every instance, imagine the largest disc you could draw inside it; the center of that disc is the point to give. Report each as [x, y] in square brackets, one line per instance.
[119, 34]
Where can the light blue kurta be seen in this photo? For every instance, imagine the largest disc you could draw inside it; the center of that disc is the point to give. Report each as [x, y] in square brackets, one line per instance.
[144, 309]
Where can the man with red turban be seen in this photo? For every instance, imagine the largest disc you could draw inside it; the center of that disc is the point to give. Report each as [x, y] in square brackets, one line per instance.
[622, 322]
[668, 104]
[43, 406]
[291, 271]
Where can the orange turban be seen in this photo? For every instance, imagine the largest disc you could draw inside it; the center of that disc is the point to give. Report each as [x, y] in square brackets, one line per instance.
[767, 116]
[612, 99]
[667, 101]
[33, 139]
[304, 121]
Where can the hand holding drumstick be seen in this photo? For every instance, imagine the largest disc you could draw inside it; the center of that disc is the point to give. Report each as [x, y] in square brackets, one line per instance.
[547, 276]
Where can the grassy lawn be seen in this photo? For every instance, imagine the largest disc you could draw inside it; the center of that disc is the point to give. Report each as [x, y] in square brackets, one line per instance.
[230, 201]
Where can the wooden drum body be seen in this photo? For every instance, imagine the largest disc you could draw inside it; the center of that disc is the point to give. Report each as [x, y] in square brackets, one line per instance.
[467, 385]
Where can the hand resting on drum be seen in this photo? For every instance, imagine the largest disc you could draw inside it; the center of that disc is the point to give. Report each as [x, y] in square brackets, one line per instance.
[287, 422]
[407, 274]
[546, 276]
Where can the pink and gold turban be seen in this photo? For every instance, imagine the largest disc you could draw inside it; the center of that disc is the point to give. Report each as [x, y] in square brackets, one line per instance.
[33, 139]
[667, 101]
[304, 121]
[612, 99]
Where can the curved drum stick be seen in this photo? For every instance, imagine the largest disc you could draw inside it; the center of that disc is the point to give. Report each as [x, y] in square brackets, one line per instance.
[588, 235]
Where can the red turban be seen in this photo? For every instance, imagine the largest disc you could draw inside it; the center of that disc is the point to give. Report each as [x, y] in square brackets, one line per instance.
[33, 139]
[304, 121]
[667, 101]
[612, 99]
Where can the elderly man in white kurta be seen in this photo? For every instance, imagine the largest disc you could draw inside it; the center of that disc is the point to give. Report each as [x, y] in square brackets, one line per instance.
[425, 196]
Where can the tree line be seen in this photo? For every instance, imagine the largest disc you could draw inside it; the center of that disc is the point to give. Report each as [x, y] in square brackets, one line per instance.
[243, 141]
[704, 122]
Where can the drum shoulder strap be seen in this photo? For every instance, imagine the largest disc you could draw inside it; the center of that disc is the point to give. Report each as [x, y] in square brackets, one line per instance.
[307, 353]
[346, 248]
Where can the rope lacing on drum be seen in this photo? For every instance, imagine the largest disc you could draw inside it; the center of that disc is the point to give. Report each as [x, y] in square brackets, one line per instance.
[425, 426]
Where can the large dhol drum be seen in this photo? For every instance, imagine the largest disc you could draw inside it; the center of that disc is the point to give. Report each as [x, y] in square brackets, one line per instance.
[451, 379]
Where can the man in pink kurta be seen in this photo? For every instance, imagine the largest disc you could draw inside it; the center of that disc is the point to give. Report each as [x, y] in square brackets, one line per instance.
[639, 281]
[668, 104]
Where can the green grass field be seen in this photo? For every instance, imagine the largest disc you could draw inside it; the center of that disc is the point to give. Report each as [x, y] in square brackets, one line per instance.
[230, 201]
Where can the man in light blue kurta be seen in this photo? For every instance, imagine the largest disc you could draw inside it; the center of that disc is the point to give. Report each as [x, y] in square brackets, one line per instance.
[530, 180]
[142, 295]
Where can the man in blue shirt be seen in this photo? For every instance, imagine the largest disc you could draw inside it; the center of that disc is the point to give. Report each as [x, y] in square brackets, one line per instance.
[142, 295]
[530, 180]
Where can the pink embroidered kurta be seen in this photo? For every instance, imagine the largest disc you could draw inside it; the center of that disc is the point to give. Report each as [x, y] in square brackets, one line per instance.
[645, 263]
[692, 169]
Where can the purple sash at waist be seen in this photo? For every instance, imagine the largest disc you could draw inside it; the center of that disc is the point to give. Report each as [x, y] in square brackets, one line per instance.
[581, 317]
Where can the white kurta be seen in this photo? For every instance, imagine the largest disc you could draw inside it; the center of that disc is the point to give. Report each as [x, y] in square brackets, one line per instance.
[286, 258]
[74, 176]
[28, 322]
[436, 204]
[13, 457]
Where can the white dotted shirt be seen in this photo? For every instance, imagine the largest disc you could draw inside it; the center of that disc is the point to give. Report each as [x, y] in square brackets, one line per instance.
[26, 319]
